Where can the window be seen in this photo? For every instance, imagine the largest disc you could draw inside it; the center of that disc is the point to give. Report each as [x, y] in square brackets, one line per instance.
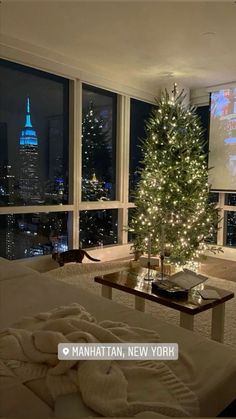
[37, 234]
[98, 228]
[230, 199]
[230, 221]
[38, 214]
[33, 137]
[98, 144]
[139, 114]
[204, 114]
[131, 214]
[214, 197]
[34, 134]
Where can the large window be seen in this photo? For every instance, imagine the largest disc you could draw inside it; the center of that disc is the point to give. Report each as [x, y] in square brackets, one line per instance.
[34, 145]
[33, 137]
[98, 144]
[43, 207]
[226, 234]
[139, 114]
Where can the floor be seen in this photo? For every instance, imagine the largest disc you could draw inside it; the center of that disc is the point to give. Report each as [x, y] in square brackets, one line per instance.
[220, 268]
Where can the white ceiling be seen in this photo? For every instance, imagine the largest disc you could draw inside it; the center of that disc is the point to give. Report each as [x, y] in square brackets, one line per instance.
[142, 44]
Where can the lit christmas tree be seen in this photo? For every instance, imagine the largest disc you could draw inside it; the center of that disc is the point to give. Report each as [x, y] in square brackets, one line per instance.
[173, 214]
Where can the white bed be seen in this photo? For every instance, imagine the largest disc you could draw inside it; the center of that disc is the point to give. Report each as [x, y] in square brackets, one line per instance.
[206, 367]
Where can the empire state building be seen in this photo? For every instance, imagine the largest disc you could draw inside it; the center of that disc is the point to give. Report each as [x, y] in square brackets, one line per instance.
[29, 178]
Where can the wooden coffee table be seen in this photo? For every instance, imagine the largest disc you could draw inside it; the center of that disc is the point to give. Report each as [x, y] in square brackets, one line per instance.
[131, 283]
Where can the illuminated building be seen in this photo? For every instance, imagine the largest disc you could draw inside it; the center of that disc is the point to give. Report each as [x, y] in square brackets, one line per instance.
[29, 179]
[55, 188]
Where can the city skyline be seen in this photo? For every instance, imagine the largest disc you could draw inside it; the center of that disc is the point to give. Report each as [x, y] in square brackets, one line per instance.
[24, 235]
[31, 181]
[33, 161]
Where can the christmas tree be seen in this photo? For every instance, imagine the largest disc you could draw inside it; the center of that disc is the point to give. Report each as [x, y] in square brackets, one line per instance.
[173, 215]
[95, 158]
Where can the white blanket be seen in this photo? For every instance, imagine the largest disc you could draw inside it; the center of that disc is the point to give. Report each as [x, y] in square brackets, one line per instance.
[110, 388]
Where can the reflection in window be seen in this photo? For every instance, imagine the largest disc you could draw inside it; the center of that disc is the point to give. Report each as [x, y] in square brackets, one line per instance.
[230, 199]
[204, 114]
[212, 238]
[98, 144]
[230, 221]
[131, 214]
[33, 137]
[98, 228]
[139, 114]
[27, 235]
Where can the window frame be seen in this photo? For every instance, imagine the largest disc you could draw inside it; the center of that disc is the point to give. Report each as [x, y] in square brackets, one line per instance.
[75, 203]
[115, 101]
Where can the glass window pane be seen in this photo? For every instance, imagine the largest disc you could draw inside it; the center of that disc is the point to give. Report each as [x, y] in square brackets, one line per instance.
[230, 222]
[36, 234]
[139, 113]
[204, 114]
[98, 144]
[212, 239]
[131, 213]
[33, 136]
[214, 197]
[98, 227]
[230, 199]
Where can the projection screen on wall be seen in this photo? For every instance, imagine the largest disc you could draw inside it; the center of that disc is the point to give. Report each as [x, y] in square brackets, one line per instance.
[222, 142]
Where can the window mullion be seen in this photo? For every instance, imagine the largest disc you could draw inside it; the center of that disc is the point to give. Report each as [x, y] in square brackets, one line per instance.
[76, 160]
[220, 233]
[124, 169]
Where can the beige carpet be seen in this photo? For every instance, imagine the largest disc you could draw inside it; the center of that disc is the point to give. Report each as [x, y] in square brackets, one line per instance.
[219, 268]
[202, 321]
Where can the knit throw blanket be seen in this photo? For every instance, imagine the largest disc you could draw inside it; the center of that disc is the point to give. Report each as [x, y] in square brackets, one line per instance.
[110, 388]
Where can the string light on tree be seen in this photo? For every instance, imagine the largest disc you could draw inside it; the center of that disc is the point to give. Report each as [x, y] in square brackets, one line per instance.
[173, 190]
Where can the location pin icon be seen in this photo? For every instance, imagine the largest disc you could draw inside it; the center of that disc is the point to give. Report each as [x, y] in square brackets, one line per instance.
[65, 351]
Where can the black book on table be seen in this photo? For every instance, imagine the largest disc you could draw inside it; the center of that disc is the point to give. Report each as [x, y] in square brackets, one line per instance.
[169, 289]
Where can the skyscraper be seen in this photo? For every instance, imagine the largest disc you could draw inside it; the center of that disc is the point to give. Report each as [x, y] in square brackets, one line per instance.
[3, 144]
[29, 170]
[56, 176]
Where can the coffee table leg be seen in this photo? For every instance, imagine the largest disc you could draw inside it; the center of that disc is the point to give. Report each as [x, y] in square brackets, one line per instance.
[187, 321]
[107, 292]
[139, 303]
[218, 322]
